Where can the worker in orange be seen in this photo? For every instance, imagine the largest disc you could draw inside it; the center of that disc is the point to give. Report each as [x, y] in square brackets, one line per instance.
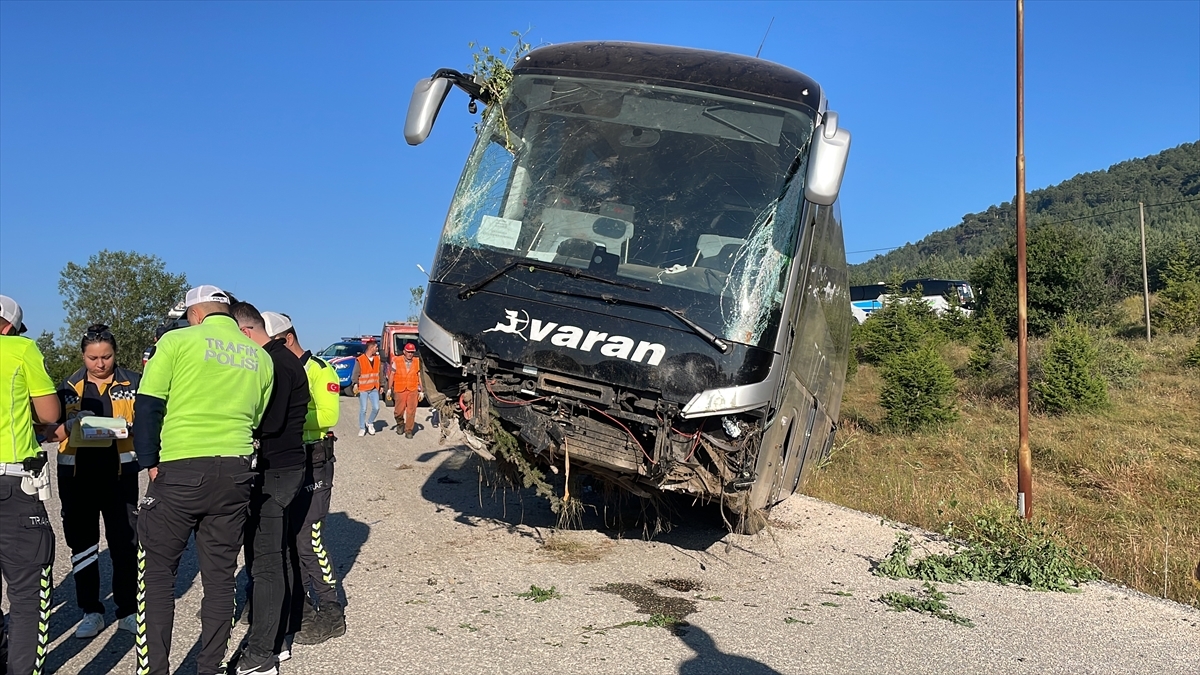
[405, 380]
[366, 382]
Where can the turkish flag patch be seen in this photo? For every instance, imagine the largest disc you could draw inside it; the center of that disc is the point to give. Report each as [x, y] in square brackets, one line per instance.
[334, 388]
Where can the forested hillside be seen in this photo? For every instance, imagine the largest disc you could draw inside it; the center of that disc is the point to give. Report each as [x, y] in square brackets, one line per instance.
[1169, 180]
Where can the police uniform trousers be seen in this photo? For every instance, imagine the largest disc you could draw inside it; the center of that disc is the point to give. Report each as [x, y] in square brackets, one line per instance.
[312, 567]
[26, 554]
[209, 496]
[267, 534]
[90, 489]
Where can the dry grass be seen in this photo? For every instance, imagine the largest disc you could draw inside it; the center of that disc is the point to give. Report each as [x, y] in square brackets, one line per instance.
[1124, 483]
[567, 548]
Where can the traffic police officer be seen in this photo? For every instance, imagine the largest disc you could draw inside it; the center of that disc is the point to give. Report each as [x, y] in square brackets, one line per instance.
[26, 540]
[281, 468]
[312, 505]
[203, 393]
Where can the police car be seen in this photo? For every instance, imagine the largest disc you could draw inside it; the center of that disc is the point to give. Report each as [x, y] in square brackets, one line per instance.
[341, 355]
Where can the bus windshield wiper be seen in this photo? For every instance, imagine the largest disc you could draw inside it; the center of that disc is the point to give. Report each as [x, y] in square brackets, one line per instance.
[470, 289]
[722, 346]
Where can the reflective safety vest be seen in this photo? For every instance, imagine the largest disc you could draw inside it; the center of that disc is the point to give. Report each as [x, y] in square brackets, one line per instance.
[406, 377]
[323, 398]
[368, 372]
[121, 391]
[22, 377]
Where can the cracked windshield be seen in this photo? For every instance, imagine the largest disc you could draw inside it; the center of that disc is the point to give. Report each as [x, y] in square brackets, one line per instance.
[685, 193]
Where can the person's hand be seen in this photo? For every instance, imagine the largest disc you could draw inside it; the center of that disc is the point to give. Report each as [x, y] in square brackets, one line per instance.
[152, 472]
[53, 432]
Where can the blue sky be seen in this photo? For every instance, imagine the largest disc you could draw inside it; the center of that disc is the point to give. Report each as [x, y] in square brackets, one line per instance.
[259, 146]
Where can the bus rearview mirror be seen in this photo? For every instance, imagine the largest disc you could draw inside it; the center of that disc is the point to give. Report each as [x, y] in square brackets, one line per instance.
[827, 161]
[423, 108]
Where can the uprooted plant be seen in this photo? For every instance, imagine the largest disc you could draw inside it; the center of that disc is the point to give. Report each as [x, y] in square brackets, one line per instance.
[931, 602]
[999, 547]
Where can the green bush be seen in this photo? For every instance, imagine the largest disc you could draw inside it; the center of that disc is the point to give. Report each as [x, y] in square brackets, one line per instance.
[904, 323]
[1070, 379]
[1192, 360]
[1178, 307]
[1119, 365]
[918, 390]
[991, 341]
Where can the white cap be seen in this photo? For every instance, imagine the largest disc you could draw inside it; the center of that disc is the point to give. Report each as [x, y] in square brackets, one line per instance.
[10, 311]
[276, 323]
[205, 293]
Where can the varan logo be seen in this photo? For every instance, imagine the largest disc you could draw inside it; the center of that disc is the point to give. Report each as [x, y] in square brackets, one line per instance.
[573, 337]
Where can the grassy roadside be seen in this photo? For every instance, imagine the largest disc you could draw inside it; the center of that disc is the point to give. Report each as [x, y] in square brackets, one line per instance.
[1124, 483]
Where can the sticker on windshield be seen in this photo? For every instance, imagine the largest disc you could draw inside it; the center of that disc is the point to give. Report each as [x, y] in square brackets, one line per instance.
[499, 232]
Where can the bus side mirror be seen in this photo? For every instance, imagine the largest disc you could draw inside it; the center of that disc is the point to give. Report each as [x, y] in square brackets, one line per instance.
[826, 161]
[423, 108]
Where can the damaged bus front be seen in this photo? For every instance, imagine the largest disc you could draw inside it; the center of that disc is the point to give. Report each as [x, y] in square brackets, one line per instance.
[643, 268]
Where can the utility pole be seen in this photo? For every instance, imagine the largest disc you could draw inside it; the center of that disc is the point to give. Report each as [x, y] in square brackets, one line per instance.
[1145, 277]
[1024, 455]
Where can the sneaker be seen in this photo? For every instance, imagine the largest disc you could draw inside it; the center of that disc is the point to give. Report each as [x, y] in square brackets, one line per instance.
[284, 654]
[91, 626]
[128, 624]
[362, 432]
[408, 434]
[371, 430]
[268, 667]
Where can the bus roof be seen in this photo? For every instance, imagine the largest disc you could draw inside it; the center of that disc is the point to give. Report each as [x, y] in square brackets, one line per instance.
[691, 68]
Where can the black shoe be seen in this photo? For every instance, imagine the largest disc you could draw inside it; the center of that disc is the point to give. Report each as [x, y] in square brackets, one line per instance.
[247, 666]
[330, 623]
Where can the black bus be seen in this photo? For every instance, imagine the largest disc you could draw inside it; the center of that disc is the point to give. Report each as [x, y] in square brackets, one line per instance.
[643, 268]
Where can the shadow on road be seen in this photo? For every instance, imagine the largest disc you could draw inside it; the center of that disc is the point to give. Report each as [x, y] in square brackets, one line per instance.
[710, 660]
[470, 485]
[344, 538]
[66, 615]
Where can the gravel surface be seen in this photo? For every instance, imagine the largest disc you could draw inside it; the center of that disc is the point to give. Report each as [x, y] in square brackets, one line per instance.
[433, 559]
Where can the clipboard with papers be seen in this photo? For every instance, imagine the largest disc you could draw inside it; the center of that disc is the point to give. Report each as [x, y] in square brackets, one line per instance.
[94, 430]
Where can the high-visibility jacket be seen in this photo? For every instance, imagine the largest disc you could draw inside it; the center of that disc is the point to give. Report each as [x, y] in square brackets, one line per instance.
[368, 372]
[22, 377]
[203, 394]
[406, 376]
[323, 402]
[121, 391]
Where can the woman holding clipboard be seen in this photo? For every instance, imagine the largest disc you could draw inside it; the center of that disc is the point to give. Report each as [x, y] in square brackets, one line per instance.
[98, 477]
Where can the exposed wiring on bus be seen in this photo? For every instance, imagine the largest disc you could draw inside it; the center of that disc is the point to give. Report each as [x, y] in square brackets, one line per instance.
[488, 385]
[618, 422]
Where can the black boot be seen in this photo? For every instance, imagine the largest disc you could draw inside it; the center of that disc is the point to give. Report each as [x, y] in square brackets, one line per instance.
[330, 623]
[308, 616]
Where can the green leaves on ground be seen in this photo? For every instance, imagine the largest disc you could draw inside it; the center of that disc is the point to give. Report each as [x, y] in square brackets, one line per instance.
[931, 602]
[1001, 548]
[538, 594]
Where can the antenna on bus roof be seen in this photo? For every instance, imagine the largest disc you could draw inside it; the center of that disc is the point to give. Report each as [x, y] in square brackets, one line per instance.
[764, 40]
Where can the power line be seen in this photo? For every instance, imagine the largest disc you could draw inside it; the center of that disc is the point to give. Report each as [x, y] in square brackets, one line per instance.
[1053, 222]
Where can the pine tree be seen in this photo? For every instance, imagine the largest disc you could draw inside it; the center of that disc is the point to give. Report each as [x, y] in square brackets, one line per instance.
[918, 390]
[1070, 380]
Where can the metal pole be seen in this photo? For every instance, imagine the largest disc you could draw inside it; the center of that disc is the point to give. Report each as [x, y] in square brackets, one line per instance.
[1024, 456]
[1145, 277]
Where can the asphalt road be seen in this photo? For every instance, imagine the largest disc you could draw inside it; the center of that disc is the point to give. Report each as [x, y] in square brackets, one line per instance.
[433, 556]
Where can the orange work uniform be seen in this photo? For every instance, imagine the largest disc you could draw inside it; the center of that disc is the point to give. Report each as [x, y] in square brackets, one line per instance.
[406, 387]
